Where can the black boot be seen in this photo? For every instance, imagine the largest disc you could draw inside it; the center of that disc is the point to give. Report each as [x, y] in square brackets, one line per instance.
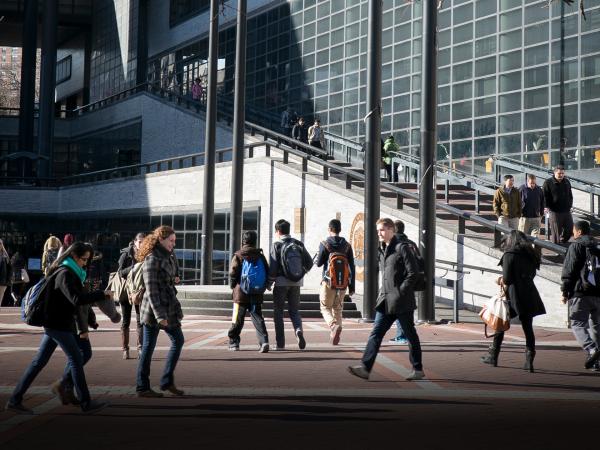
[494, 350]
[529, 355]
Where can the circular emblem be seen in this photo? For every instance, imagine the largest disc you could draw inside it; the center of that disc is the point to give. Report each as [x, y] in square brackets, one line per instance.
[357, 239]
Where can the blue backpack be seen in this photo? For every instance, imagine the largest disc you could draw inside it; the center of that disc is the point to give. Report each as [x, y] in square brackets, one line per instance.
[33, 305]
[253, 280]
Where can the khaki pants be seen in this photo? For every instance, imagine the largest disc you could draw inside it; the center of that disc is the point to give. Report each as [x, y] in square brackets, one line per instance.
[510, 223]
[530, 225]
[332, 304]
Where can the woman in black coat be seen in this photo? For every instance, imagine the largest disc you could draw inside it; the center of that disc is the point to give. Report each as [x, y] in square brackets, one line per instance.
[63, 294]
[519, 265]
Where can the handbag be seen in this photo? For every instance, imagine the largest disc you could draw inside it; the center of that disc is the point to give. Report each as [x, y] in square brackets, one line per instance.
[495, 313]
[116, 283]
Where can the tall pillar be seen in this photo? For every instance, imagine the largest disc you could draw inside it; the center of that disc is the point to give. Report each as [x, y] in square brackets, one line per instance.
[28, 62]
[47, 86]
[142, 43]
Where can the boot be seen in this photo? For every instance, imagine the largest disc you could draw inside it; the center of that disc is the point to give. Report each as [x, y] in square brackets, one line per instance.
[492, 357]
[125, 342]
[529, 355]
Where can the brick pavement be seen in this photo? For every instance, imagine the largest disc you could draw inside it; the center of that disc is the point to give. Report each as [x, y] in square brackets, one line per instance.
[308, 394]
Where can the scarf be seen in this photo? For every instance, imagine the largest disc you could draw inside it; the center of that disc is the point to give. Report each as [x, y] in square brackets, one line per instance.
[71, 264]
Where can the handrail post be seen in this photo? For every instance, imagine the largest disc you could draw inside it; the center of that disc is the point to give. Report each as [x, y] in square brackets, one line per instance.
[267, 150]
[461, 225]
[304, 165]
[497, 238]
[325, 173]
[399, 201]
[348, 182]
[286, 157]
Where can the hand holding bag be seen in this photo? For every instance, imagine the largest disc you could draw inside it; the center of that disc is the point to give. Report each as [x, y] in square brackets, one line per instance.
[496, 313]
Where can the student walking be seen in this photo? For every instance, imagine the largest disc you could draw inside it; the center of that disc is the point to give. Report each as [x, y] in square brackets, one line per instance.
[248, 277]
[160, 310]
[316, 135]
[288, 263]
[63, 294]
[300, 132]
[337, 259]
[507, 203]
[532, 199]
[519, 265]
[581, 289]
[559, 201]
[398, 268]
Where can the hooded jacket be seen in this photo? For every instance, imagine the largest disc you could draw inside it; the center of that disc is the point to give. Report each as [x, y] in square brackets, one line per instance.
[337, 244]
[573, 268]
[235, 272]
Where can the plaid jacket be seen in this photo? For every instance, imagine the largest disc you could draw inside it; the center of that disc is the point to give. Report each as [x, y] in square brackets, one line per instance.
[160, 299]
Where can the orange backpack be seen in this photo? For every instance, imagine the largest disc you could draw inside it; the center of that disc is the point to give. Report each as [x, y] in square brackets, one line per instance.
[338, 268]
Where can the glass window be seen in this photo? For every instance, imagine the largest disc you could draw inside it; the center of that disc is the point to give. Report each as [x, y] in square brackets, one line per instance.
[537, 55]
[462, 150]
[510, 102]
[461, 72]
[509, 123]
[570, 71]
[592, 21]
[486, 86]
[570, 49]
[485, 47]
[485, 27]
[589, 89]
[510, 81]
[443, 76]
[536, 33]
[463, 14]
[485, 7]
[590, 112]
[485, 66]
[590, 66]
[508, 4]
[462, 91]
[511, 20]
[511, 40]
[533, 120]
[571, 25]
[485, 147]
[462, 52]
[509, 144]
[535, 13]
[463, 33]
[535, 98]
[590, 135]
[570, 116]
[461, 110]
[536, 77]
[485, 106]
[443, 113]
[443, 94]
[444, 38]
[510, 61]
[485, 127]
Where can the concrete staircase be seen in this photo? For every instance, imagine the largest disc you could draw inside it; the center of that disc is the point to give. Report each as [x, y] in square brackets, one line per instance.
[216, 301]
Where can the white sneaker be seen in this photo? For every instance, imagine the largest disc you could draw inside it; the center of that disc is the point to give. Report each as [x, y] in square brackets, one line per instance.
[264, 348]
[416, 375]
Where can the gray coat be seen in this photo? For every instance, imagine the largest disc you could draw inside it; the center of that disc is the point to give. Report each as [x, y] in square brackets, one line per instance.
[160, 299]
[398, 269]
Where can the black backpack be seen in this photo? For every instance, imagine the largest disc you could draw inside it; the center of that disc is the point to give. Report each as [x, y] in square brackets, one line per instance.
[590, 276]
[294, 261]
[412, 247]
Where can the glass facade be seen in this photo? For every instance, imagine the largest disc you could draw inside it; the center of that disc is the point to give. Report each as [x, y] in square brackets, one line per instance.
[109, 234]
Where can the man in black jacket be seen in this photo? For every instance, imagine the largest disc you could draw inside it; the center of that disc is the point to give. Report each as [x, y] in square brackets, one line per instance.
[398, 273]
[300, 132]
[559, 201]
[582, 292]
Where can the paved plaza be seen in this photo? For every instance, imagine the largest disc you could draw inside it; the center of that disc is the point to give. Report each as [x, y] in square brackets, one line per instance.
[307, 399]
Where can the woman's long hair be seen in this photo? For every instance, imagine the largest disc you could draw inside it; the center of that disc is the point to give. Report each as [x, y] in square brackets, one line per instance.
[77, 249]
[52, 243]
[152, 240]
[517, 241]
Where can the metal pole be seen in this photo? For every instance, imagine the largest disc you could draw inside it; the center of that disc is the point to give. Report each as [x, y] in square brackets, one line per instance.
[237, 172]
[208, 203]
[561, 152]
[373, 157]
[427, 182]
[27, 91]
[47, 86]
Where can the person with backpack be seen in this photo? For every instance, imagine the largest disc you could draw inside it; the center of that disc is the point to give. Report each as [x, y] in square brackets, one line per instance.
[398, 271]
[581, 289]
[288, 263]
[127, 260]
[160, 310]
[50, 253]
[19, 278]
[59, 299]
[337, 259]
[248, 277]
[519, 264]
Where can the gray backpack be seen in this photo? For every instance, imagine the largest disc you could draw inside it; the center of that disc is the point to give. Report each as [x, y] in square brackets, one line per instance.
[295, 261]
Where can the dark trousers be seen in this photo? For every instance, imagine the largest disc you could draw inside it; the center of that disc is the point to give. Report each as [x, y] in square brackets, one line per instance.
[69, 345]
[126, 309]
[388, 171]
[382, 324]
[85, 346]
[281, 294]
[150, 337]
[561, 227]
[527, 324]
[237, 323]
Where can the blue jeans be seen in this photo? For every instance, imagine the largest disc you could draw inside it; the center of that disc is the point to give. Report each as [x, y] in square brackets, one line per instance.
[68, 343]
[85, 347]
[150, 338]
[399, 330]
[383, 323]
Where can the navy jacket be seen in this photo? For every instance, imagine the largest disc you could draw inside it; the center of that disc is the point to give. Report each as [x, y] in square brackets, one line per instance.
[533, 201]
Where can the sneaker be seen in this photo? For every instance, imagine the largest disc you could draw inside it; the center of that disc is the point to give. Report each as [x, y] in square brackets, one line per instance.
[264, 348]
[300, 339]
[591, 359]
[399, 340]
[359, 371]
[173, 390]
[234, 347]
[278, 349]
[149, 393]
[93, 406]
[59, 390]
[18, 408]
[336, 331]
[416, 375]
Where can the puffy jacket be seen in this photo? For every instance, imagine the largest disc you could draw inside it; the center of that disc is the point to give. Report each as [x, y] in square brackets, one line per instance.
[235, 273]
[398, 268]
[337, 244]
[573, 268]
[507, 205]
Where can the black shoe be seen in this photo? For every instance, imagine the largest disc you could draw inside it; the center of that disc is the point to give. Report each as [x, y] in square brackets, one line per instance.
[18, 408]
[149, 393]
[489, 359]
[359, 371]
[300, 339]
[591, 359]
[173, 390]
[93, 406]
[529, 356]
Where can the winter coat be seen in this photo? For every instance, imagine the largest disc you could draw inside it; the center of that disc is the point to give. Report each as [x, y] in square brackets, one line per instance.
[126, 261]
[64, 295]
[558, 195]
[398, 268]
[507, 205]
[235, 274]
[573, 268]
[518, 271]
[337, 244]
[5, 271]
[160, 299]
